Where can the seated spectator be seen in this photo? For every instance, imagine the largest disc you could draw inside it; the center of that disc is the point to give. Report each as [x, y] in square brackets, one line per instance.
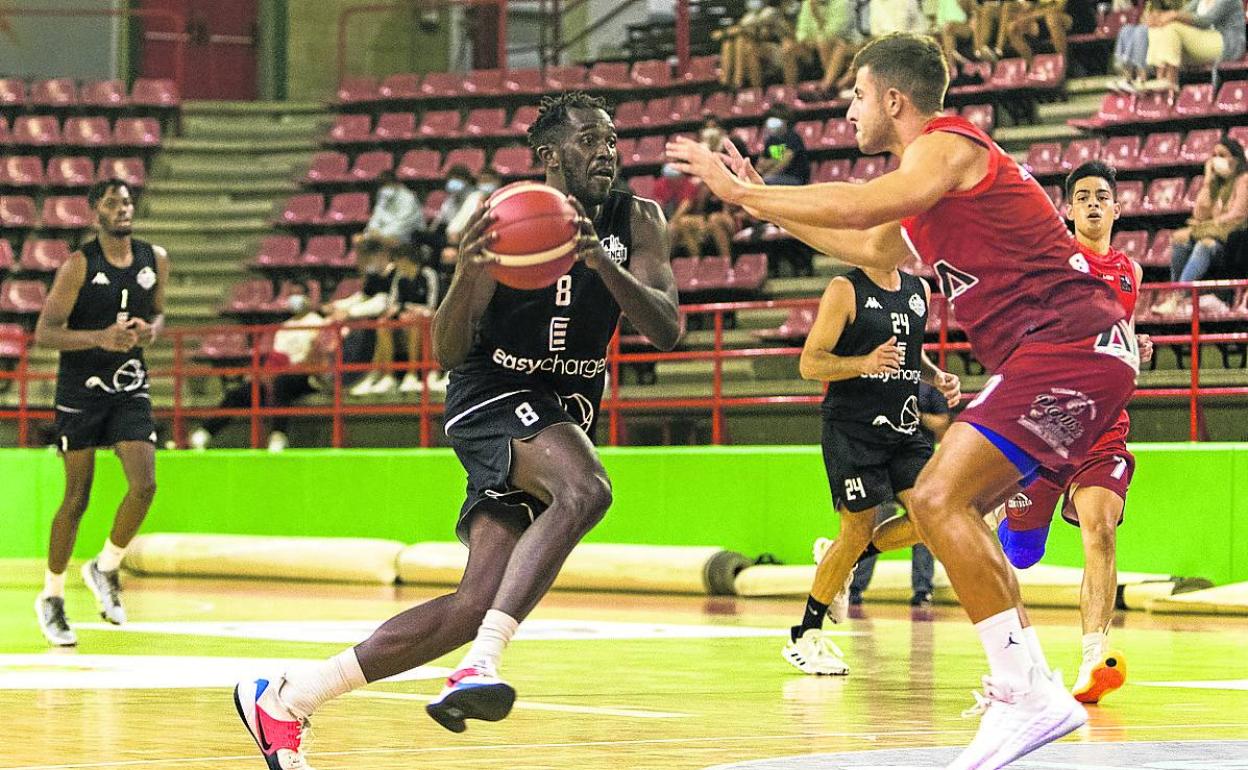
[412, 297]
[1205, 32]
[397, 214]
[784, 159]
[368, 302]
[888, 16]
[1021, 20]
[462, 199]
[1221, 209]
[294, 345]
[755, 39]
[830, 28]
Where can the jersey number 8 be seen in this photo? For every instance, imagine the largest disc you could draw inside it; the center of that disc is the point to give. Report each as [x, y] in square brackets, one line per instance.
[563, 291]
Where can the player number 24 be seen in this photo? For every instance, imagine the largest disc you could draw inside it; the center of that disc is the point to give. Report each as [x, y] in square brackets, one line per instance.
[854, 488]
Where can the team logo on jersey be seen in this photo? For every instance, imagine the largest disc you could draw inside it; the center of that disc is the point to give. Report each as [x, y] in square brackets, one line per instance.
[873, 304]
[1059, 418]
[146, 278]
[1124, 283]
[1018, 505]
[1120, 342]
[128, 378]
[99, 280]
[909, 420]
[917, 305]
[953, 282]
[616, 251]
[579, 408]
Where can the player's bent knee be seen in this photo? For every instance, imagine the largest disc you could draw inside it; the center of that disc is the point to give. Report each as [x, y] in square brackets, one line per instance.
[586, 500]
[144, 490]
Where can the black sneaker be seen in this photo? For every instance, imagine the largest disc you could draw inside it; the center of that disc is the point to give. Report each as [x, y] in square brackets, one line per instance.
[106, 587]
[922, 599]
[51, 613]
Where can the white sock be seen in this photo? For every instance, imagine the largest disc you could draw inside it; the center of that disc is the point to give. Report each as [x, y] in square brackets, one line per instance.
[1035, 650]
[1094, 645]
[110, 557]
[492, 637]
[304, 691]
[53, 584]
[1008, 659]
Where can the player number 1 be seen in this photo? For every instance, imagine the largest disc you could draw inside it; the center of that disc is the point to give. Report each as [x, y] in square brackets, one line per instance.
[563, 291]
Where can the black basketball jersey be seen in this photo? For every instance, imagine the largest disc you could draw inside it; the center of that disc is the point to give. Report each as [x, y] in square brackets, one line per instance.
[881, 407]
[108, 294]
[558, 336]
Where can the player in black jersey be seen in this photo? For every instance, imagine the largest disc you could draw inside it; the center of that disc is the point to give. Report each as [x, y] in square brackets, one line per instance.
[106, 304]
[867, 344]
[527, 373]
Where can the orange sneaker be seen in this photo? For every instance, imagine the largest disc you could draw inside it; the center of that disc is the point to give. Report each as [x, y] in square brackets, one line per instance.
[1099, 678]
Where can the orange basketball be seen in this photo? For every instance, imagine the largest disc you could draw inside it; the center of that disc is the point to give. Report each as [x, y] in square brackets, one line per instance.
[535, 235]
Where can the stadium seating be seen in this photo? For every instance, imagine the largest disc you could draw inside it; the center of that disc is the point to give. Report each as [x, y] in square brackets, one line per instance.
[369, 165]
[347, 209]
[70, 172]
[325, 251]
[21, 171]
[65, 212]
[12, 340]
[155, 92]
[395, 127]
[129, 170]
[419, 165]
[36, 131]
[57, 93]
[17, 212]
[137, 132]
[6, 256]
[104, 95]
[22, 297]
[402, 87]
[87, 132]
[41, 255]
[328, 168]
[277, 251]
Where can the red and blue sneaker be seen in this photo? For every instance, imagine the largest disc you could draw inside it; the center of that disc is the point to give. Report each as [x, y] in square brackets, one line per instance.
[472, 693]
[280, 740]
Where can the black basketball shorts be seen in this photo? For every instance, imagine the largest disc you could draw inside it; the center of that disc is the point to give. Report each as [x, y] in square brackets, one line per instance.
[103, 422]
[862, 474]
[484, 416]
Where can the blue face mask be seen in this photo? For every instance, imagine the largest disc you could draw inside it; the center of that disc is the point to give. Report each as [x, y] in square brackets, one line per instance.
[455, 186]
[670, 171]
[487, 188]
[774, 125]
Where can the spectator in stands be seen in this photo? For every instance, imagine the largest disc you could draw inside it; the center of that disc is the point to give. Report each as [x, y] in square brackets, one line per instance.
[755, 39]
[675, 193]
[784, 159]
[462, 199]
[1021, 20]
[1221, 209]
[368, 302]
[829, 27]
[888, 16]
[411, 297]
[397, 214]
[293, 345]
[953, 23]
[1204, 32]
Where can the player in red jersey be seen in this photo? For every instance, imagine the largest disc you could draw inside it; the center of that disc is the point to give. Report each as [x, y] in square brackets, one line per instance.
[1063, 357]
[1096, 493]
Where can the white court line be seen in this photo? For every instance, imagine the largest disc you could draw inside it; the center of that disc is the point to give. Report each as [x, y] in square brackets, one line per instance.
[535, 706]
[1116, 730]
[1225, 684]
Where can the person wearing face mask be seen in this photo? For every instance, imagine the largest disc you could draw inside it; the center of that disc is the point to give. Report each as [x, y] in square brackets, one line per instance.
[397, 214]
[755, 39]
[293, 345]
[677, 194]
[462, 198]
[1221, 209]
[411, 296]
[784, 160]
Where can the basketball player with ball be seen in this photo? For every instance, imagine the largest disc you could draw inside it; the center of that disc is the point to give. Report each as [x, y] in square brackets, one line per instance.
[526, 345]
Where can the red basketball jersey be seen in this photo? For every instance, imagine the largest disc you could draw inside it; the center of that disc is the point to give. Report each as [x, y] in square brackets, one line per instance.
[1005, 259]
[1116, 269]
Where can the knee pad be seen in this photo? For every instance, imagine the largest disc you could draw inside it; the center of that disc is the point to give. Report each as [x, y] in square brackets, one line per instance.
[1025, 548]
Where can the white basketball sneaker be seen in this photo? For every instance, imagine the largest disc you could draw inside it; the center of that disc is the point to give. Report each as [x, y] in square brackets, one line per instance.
[816, 653]
[1015, 723]
[838, 610]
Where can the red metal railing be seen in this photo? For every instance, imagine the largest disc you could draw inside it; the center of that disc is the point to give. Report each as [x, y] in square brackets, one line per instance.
[329, 361]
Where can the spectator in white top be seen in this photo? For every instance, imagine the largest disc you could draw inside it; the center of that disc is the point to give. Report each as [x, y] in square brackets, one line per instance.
[412, 297]
[396, 215]
[463, 197]
[293, 345]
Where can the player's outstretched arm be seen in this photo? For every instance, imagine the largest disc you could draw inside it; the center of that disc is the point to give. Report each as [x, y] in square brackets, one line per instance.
[51, 331]
[646, 291]
[472, 288]
[818, 362]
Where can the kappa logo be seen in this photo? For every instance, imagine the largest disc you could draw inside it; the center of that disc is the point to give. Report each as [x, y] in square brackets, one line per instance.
[616, 251]
[100, 280]
[146, 278]
[873, 304]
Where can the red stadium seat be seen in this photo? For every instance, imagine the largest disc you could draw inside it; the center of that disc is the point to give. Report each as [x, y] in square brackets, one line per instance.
[36, 131]
[22, 297]
[70, 172]
[523, 81]
[522, 119]
[1160, 150]
[223, 346]
[749, 272]
[351, 208]
[417, 165]
[12, 92]
[433, 203]
[21, 171]
[129, 170]
[357, 90]
[1198, 145]
[609, 76]
[1080, 151]
[277, 251]
[440, 124]
[483, 82]
[712, 273]
[1233, 98]
[6, 136]
[867, 168]
[568, 77]
[1165, 195]
[305, 209]
[1115, 108]
[395, 127]
[659, 112]
[6, 255]
[683, 270]
[624, 148]
[1131, 197]
[629, 114]
[838, 134]
[685, 107]
[471, 157]
[1133, 243]
[1044, 158]
[369, 165]
[515, 162]
[1158, 251]
[1054, 191]
[642, 186]
[325, 251]
[43, 255]
[1239, 134]
[401, 87]
[12, 339]
[66, 212]
[155, 92]
[652, 73]
[702, 69]
[751, 136]
[1047, 70]
[442, 84]
[650, 151]
[749, 103]
[54, 92]
[1195, 101]
[249, 296]
[1008, 73]
[351, 129]
[87, 132]
[488, 121]
[137, 132]
[17, 212]
[1193, 192]
[811, 132]
[796, 326]
[833, 171]
[1122, 152]
[104, 94]
[328, 168]
[1154, 106]
[780, 94]
[982, 116]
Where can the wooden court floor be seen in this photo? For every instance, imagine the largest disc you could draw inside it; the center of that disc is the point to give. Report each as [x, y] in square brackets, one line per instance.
[605, 681]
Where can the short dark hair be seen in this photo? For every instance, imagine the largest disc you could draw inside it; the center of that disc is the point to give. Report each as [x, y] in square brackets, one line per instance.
[782, 111]
[1094, 168]
[490, 171]
[913, 64]
[552, 114]
[101, 188]
[461, 171]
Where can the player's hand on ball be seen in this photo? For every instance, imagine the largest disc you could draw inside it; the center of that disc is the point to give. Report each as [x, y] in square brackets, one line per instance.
[118, 338]
[1146, 347]
[588, 247]
[950, 386]
[472, 243]
[886, 359]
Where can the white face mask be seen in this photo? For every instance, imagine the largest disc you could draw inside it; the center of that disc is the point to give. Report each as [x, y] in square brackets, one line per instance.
[774, 125]
[455, 186]
[712, 138]
[1222, 166]
[297, 303]
[753, 5]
